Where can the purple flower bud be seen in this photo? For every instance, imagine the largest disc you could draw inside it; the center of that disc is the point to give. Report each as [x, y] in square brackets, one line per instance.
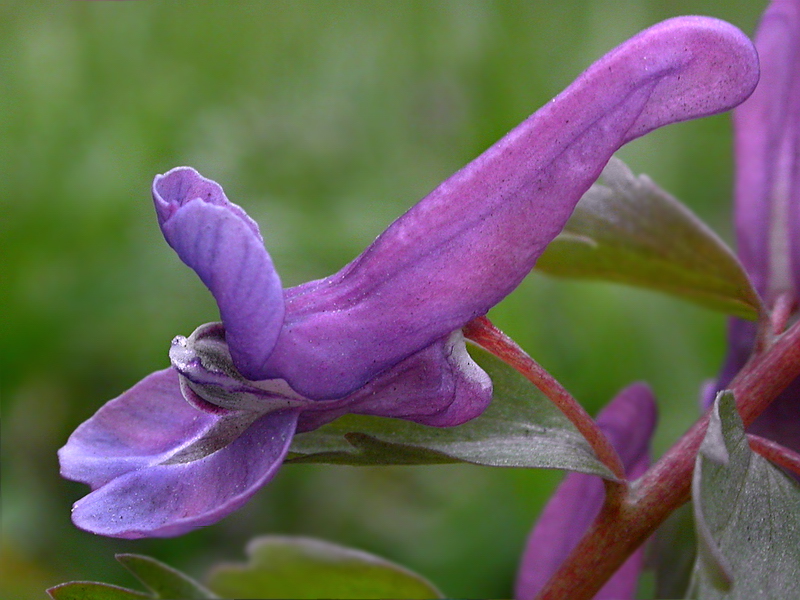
[767, 135]
[629, 421]
[767, 212]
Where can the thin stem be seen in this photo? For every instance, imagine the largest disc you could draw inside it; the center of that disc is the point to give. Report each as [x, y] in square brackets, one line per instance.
[623, 527]
[781, 312]
[484, 333]
[773, 451]
[767, 375]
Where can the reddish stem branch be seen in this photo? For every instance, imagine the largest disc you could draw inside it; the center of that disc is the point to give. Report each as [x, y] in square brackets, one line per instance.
[484, 333]
[773, 451]
[781, 312]
[621, 527]
[767, 375]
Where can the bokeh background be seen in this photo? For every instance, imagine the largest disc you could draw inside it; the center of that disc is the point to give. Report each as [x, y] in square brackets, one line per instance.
[325, 121]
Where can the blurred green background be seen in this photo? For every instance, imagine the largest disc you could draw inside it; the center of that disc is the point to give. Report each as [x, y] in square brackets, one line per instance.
[325, 121]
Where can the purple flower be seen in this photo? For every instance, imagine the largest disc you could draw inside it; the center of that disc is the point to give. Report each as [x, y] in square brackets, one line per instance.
[628, 421]
[188, 445]
[767, 214]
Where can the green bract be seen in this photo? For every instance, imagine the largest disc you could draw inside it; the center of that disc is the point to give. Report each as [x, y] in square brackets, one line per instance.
[747, 516]
[296, 567]
[164, 583]
[631, 231]
[521, 428]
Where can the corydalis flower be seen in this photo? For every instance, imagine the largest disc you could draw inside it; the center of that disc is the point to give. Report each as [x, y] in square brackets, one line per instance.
[628, 421]
[190, 444]
[767, 215]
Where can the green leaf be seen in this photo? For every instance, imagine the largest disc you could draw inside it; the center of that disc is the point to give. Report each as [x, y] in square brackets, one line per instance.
[672, 553]
[521, 428]
[87, 590]
[631, 231]
[296, 567]
[747, 517]
[163, 580]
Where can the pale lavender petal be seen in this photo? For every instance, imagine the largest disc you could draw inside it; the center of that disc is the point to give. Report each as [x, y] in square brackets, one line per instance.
[171, 499]
[473, 239]
[440, 386]
[767, 137]
[160, 467]
[141, 427]
[629, 421]
[223, 246]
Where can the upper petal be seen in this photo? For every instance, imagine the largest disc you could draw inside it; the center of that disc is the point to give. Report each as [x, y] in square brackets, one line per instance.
[223, 246]
[169, 499]
[767, 138]
[475, 237]
[629, 421]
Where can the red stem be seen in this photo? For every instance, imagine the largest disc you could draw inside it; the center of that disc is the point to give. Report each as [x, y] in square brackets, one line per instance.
[773, 451]
[623, 525]
[781, 312]
[484, 333]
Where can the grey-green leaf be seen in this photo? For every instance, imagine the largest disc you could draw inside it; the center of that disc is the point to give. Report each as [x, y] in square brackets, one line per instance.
[87, 590]
[747, 517]
[630, 231]
[672, 553]
[163, 580]
[521, 428]
[296, 567]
